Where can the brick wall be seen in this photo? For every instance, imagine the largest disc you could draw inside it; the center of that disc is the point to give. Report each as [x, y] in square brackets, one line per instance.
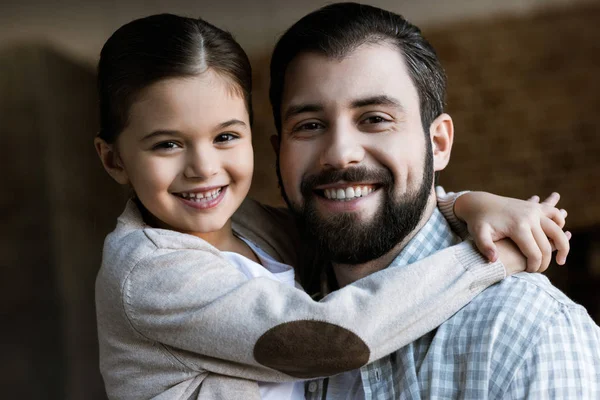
[524, 94]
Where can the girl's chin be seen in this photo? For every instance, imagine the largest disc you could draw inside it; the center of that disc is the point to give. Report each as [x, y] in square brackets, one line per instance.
[204, 228]
[199, 228]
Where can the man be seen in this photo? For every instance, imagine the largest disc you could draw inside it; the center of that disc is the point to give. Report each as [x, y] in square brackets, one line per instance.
[358, 96]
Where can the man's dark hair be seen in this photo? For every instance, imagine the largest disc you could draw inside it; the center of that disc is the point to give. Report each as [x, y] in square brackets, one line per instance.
[338, 29]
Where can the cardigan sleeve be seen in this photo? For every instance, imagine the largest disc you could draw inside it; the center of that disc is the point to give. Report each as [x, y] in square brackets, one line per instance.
[212, 318]
[445, 202]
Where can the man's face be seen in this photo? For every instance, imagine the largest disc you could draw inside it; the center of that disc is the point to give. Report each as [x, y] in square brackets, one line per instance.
[356, 166]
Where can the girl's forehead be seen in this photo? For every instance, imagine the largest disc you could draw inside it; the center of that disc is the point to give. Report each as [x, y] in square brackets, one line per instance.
[200, 102]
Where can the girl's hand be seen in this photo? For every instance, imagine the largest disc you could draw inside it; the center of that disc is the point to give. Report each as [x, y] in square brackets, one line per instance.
[536, 228]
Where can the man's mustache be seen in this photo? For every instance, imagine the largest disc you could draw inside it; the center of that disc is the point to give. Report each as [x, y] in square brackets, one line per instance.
[380, 176]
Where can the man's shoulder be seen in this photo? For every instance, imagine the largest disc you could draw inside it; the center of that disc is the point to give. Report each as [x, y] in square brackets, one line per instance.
[256, 215]
[509, 322]
[521, 291]
[515, 309]
[273, 229]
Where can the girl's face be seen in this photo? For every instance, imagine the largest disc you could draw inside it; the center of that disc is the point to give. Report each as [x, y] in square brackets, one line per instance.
[187, 152]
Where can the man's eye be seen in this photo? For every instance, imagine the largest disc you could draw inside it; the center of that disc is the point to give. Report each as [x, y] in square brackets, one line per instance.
[308, 126]
[165, 145]
[375, 119]
[225, 137]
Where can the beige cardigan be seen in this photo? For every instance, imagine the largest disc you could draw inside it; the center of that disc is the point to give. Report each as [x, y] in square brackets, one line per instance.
[177, 321]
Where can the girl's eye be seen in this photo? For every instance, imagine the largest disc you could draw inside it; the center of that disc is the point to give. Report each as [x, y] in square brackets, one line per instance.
[225, 137]
[169, 145]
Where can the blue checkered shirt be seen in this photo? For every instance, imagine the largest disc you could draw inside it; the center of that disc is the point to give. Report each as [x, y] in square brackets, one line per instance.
[519, 339]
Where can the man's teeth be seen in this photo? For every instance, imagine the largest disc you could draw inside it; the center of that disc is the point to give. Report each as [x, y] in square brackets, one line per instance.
[201, 196]
[348, 193]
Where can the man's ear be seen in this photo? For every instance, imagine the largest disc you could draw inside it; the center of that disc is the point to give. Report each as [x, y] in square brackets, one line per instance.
[441, 133]
[111, 161]
[275, 143]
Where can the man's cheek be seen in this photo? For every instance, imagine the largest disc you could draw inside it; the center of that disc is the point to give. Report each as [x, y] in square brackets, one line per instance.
[291, 175]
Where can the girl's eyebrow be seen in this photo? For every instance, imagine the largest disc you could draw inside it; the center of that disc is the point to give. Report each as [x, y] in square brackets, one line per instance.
[231, 122]
[167, 132]
[160, 132]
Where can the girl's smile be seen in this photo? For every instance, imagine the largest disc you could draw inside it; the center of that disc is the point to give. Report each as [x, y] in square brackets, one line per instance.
[202, 199]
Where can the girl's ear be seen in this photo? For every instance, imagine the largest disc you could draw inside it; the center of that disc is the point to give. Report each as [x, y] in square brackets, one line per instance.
[441, 133]
[111, 161]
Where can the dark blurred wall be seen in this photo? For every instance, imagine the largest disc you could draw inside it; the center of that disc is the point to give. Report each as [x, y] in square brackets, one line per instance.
[57, 206]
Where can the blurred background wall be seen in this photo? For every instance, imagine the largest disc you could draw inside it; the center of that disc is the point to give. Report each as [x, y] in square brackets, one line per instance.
[524, 93]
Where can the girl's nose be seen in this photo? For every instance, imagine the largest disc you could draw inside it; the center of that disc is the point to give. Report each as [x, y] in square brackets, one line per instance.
[201, 163]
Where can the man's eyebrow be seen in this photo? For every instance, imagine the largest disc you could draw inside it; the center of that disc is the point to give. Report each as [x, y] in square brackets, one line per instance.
[294, 110]
[381, 100]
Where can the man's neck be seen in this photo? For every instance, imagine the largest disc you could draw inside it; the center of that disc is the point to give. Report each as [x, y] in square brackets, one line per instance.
[346, 274]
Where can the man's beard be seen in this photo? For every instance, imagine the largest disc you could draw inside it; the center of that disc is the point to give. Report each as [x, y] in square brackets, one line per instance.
[344, 238]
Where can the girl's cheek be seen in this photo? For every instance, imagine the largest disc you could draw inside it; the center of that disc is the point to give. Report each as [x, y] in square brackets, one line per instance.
[244, 160]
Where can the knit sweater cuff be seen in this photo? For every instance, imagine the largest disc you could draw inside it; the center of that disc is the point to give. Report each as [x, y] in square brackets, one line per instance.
[445, 203]
[486, 273]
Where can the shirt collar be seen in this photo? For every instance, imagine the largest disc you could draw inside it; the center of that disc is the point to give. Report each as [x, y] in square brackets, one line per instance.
[435, 235]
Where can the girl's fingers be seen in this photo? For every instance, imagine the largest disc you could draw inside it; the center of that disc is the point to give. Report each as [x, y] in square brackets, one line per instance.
[485, 244]
[552, 200]
[527, 244]
[556, 215]
[534, 199]
[544, 246]
[559, 238]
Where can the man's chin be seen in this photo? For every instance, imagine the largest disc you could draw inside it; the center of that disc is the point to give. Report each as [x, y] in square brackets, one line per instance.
[359, 218]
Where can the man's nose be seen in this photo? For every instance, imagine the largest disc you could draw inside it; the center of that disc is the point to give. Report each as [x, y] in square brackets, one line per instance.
[201, 163]
[343, 149]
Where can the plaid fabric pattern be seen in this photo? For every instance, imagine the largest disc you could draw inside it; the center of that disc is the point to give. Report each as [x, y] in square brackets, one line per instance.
[519, 339]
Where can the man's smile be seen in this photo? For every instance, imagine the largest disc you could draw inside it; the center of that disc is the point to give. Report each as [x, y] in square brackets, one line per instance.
[347, 198]
[346, 191]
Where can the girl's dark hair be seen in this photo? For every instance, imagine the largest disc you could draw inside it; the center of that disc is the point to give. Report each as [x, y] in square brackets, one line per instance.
[338, 29]
[157, 47]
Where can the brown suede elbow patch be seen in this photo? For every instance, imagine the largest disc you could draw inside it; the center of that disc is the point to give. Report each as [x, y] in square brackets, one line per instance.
[308, 349]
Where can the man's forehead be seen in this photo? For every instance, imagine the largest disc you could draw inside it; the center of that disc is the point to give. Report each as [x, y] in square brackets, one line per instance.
[367, 72]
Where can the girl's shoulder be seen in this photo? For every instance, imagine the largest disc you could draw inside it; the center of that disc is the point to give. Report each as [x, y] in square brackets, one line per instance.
[133, 231]
[133, 241]
[137, 256]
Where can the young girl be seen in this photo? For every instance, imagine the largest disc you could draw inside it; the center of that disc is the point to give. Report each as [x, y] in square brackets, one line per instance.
[194, 303]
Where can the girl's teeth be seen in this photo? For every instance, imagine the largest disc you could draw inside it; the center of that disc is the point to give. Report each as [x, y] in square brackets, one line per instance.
[201, 196]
